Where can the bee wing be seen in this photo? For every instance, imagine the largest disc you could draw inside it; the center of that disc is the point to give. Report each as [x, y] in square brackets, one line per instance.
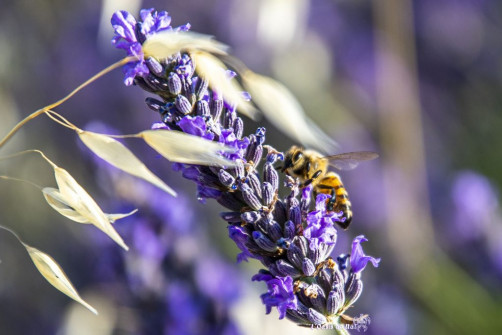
[350, 160]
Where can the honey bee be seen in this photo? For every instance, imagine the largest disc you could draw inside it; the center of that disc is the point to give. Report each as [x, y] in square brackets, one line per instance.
[311, 167]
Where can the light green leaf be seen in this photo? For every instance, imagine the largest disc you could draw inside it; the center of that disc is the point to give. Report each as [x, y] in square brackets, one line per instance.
[57, 202]
[284, 111]
[114, 217]
[77, 198]
[213, 70]
[55, 275]
[183, 148]
[163, 45]
[122, 158]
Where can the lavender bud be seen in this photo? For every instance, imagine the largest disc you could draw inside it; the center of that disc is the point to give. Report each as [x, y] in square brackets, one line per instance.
[174, 83]
[353, 289]
[258, 153]
[229, 119]
[342, 261]
[141, 82]
[280, 211]
[286, 269]
[264, 242]
[272, 267]
[231, 217]
[270, 175]
[317, 298]
[262, 225]
[292, 201]
[255, 183]
[187, 88]
[335, 300]
[268, 193]
[302, 244]
[308, 267]
[183, 105]
[315, 317]
[216, 109]
[296, 317]
[295, 215]
[300, 314]
[226, 178]
[154, 104]
[316, 255]
[295, 256]
[250, 217]
[274, 230]
[203, 108]
[156, 83]
[250, 197]
[324, 279]
[154, 66]
[240, 172]
[260, 135]
[251, 153]
[238, 128]
[289, 229]
[201, 89]
[229, 201]
[339, 277]
[208, 179]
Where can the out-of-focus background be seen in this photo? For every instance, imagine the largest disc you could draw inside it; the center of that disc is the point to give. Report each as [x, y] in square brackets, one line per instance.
[419, 82]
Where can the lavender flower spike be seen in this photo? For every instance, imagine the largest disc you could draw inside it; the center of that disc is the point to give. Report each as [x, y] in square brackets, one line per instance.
[293, 235]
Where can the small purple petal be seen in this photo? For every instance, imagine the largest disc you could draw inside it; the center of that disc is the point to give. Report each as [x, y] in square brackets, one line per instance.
[280, 293]
[193, 125]
[240, 237]
[358, 259]
[123, 23]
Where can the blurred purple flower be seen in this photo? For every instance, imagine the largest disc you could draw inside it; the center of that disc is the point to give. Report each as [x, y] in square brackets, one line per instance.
[174, 291]
[476, 204]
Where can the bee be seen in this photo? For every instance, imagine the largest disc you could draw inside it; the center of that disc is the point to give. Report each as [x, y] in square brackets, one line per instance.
[311, 167]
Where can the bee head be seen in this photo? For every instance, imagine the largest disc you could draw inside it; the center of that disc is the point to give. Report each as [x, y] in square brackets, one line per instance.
[293, 156]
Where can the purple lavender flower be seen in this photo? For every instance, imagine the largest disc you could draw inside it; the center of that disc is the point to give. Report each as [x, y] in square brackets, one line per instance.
[294, 243]
[130, 35]
[358, 259]
[280, 293]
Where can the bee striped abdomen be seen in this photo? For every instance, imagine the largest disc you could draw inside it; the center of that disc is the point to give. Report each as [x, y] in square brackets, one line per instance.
[311, 168]
[331, 184]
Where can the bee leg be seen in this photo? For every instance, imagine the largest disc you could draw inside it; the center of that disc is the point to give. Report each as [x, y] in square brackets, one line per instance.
[330, 204]
[332, 201]
[309, 181]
